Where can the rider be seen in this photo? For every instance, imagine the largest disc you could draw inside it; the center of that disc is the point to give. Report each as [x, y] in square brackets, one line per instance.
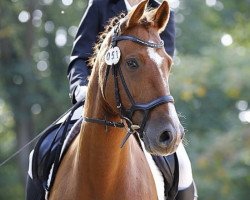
[93, 22]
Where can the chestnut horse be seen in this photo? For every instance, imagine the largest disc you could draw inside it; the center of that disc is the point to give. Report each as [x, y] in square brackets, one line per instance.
[128, 95]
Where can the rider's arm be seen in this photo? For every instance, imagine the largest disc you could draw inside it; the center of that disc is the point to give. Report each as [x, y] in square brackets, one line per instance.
[78, 71]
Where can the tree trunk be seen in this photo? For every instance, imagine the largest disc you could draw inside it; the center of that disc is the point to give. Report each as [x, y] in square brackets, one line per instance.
[17, 96]
[24, 132]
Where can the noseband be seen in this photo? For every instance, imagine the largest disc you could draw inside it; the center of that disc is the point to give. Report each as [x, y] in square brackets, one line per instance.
[127, 114]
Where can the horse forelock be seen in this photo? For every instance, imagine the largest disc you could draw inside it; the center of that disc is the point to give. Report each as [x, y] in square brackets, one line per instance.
[104, 38]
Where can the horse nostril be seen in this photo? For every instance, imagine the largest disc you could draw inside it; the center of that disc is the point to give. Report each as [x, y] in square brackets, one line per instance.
[165, 138]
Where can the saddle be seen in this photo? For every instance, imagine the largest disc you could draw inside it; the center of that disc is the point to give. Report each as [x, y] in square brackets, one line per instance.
[53, 144]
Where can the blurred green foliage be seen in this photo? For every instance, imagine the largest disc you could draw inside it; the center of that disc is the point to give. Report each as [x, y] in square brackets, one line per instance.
[210, 82]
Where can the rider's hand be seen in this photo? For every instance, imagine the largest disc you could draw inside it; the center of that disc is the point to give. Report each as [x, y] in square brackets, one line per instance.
[80, 93]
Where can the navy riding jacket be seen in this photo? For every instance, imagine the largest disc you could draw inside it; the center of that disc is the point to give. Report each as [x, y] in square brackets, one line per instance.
[93, 22]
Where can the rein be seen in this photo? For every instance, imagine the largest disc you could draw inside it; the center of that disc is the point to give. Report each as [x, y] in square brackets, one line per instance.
[127, 114]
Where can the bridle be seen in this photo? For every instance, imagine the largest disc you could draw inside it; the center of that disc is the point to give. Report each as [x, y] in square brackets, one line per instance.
[127, 114]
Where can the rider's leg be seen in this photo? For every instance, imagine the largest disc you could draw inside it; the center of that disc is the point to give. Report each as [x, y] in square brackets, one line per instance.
[186, 186]
[34, 189]
[189, 193]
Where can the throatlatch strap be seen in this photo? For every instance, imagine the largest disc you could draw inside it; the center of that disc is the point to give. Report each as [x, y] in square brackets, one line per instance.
[104, 122]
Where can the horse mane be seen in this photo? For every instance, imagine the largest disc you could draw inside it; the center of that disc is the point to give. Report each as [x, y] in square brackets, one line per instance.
[101, 37]
[146, 21]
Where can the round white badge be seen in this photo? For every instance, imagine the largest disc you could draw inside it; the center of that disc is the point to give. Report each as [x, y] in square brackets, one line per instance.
[113, 56]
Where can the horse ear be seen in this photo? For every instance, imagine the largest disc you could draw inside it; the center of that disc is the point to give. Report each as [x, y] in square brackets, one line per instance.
[161, 16]
[135, 15]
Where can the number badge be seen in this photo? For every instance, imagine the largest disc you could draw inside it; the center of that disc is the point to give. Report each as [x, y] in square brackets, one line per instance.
[113, 56]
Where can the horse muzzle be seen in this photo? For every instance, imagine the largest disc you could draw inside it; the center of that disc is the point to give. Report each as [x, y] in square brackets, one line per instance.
[161, 136]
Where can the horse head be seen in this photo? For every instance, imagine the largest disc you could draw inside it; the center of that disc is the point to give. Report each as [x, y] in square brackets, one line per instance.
[133, 74]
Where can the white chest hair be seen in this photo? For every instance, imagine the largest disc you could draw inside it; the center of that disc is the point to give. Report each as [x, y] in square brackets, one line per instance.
[157, 175]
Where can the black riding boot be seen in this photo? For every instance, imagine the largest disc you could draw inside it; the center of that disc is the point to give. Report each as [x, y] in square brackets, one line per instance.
[189, 193]
[34, 190]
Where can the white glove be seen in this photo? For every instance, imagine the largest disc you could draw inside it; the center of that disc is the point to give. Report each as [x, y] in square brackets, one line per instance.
[80, 93]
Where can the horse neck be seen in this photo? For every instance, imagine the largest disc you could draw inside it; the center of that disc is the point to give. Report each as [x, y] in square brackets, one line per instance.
[100, 165]
[99, 146]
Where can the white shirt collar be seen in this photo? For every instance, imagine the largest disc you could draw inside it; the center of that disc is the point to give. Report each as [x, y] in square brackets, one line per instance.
[128, 6]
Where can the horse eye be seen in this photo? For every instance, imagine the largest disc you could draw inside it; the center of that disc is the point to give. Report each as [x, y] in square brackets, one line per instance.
[132, 63]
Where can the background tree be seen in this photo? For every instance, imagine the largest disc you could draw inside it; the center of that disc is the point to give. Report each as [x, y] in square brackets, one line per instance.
[35, 42]
[211, 84]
